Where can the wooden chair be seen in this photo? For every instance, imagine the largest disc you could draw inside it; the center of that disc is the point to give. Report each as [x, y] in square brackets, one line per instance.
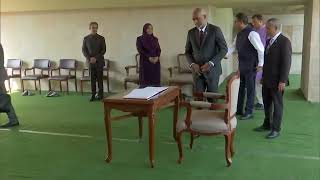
[180, 75]
[86, 75]
[205, 121]
[132, 78]
[38, 64]
[106, 70]
[65, 64]
[16, 66]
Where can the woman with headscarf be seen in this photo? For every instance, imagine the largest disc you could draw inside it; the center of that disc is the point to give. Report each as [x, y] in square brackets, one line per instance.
[149, 50]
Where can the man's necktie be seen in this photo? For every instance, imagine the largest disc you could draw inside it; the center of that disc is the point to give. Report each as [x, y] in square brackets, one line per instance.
[202, 34]
[270, 44]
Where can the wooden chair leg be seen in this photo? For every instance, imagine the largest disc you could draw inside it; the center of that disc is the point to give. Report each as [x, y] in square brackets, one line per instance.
[180, 147]
[108, 85]
[50, 86]
[60, 86]
[140, 127]
[67, 87]
[9, 84]
[191, 140]
[76, 85]
[227, 149]
[231, 143]
[125, 85]
[22, 86]
[35, 85]
[81, 87]
[182, 98]
[20, 83]
[40, 86]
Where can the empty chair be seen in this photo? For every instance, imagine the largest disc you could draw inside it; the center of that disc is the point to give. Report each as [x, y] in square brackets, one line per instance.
[16, 70]
[86, 75]
[70, 65]
[38, 64]
[205, 121]
[181, 74]
[132, 78]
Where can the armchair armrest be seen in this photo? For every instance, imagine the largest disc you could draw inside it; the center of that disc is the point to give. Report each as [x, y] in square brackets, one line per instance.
[106, 72]
[14, 69]
[73, 70]
[170, 69]
[84, 71]
[55, 69]
[200, 104]
[28, 69]
[128, 68]
[214, 95]
[9, 70]
[212, 106]
[107, 68]
[209, 95]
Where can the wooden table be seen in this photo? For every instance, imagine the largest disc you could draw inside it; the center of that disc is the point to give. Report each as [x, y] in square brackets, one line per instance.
[140, 109]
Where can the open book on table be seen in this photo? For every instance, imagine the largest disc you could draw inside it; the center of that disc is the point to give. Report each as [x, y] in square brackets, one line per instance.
[145, 93]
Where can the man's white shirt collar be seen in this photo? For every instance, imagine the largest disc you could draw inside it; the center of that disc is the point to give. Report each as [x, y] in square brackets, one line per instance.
[203, 29]
[275, 37]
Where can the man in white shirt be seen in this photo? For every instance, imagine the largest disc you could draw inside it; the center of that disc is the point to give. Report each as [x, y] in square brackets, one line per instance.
[260, 28]
[251, 58]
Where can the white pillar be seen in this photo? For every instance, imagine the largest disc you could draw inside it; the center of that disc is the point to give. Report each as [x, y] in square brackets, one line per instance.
[310, 77]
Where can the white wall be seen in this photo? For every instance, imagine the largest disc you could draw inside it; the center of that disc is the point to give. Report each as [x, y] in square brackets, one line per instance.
[59, 34]
[223, 17]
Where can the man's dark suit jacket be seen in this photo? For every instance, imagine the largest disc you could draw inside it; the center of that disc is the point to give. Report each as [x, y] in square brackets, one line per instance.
[4, 98]
[94, 45]
[3, 72]
[213, 48]
[277, 62]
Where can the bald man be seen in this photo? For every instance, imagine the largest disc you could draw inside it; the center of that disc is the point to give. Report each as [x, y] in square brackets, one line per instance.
[5, 99]
[205, 49]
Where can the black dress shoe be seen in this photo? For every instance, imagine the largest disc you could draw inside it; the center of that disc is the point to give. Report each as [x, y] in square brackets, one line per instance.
[10, 124]
[273, 134]
[246, 117]
[49, 94]
[239, 113]
[261, 129]
[259, 106]
[25, 93]
[99, 98]
[93, 98]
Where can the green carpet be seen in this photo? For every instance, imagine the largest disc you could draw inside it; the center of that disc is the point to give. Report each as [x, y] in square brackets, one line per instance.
[294, 155]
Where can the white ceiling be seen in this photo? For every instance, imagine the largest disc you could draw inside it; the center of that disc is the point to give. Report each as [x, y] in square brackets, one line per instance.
[268, 6]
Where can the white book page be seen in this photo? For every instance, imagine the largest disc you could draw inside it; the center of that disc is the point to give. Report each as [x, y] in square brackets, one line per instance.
[145, 93]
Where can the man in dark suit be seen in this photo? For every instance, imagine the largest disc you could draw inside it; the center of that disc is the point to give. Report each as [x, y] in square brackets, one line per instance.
[94, 48]
[275, 77]
[205, 48]
[5, 99]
